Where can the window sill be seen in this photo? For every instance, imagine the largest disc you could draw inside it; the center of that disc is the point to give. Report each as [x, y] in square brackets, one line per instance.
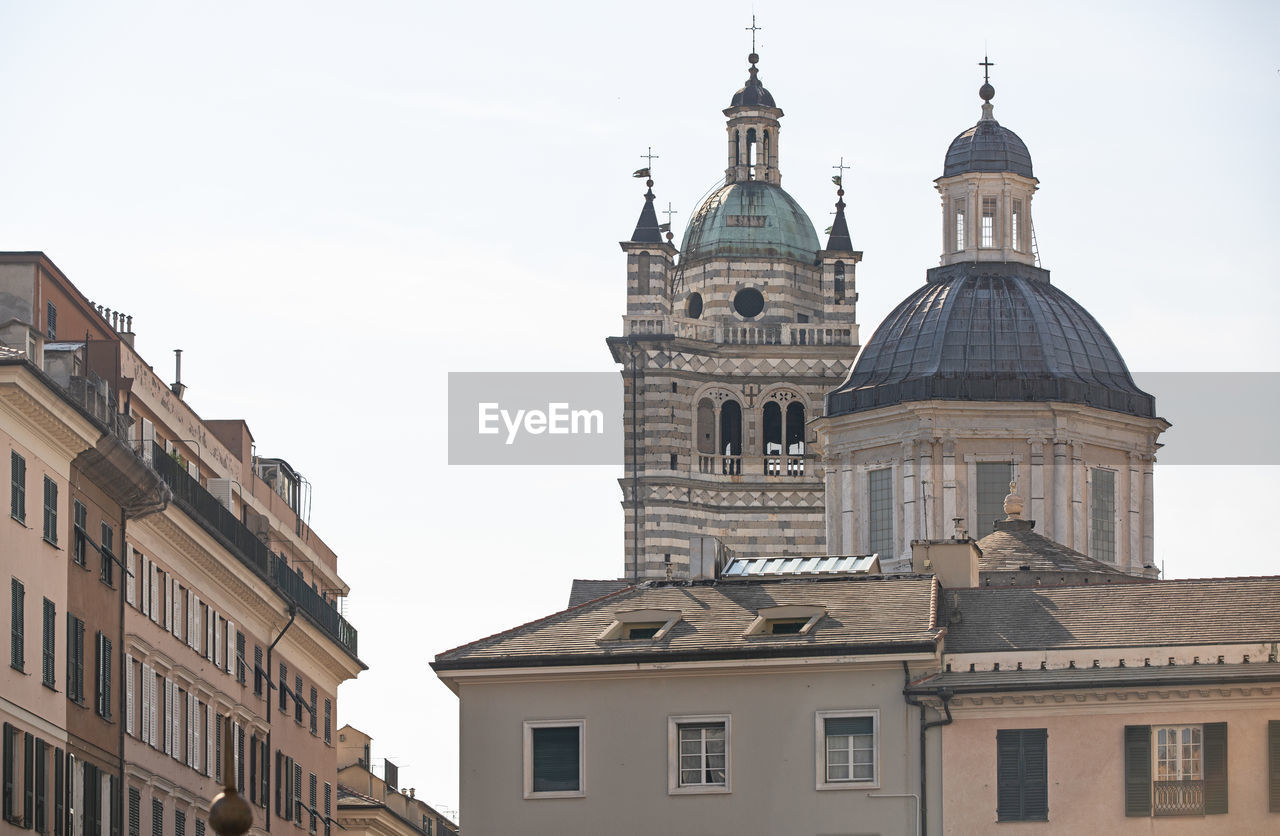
[53, 543]
[849, 785]
[22, 521]
[1023, 820]
[536, 796]
[710, 789]
[18, 668]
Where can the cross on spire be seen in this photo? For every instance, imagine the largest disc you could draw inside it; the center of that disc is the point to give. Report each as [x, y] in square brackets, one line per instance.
[753, 29]
[649, 156]
[669, 212]
[841, 168]
[986, 65]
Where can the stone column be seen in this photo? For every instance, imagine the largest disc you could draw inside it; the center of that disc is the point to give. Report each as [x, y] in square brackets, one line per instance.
[1037, 482]
[1078, 540]
[849, 507]
[910, 503]
[835, 501]
[928, 510]
[1148, 511]
[1132, 561]
[1061, 493]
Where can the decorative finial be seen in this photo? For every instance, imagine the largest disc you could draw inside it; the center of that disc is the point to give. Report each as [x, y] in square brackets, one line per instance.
[1013, 503]
[838, 180]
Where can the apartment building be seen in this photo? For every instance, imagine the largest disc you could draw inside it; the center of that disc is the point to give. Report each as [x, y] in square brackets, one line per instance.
[178, 583]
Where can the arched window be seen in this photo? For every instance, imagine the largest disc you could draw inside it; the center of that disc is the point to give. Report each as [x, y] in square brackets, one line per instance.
[642, 274]
[751, 153]
[737, 147]
[839, 281]
[730, 429]
[706, 426]
[765, 157]
[795, 429]
[771, 437]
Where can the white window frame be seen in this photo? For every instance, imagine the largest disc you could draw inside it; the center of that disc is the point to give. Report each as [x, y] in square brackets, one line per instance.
[820, 750]
[674, 723]
[529, 726]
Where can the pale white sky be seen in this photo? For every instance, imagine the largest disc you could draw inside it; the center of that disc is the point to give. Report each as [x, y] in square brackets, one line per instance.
[331, 205]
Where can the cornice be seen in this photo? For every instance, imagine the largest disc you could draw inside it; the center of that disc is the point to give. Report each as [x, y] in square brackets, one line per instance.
[64, 430]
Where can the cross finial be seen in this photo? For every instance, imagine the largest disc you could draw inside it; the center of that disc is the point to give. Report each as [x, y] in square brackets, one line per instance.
[986, 65]
[649, 156]
[669, 212]
[753, 29]
[841, 168]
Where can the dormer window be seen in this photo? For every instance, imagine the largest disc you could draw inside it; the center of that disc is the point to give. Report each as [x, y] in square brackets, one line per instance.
[640, 625]
[786, 620]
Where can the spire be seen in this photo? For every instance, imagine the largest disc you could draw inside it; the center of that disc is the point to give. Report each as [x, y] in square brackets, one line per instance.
[647, 231]
[839, 239]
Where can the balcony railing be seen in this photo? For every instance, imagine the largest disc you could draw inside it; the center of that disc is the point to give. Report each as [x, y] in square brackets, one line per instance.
[250, 550]
[784, 333]
[1178, 798]
[781, 467]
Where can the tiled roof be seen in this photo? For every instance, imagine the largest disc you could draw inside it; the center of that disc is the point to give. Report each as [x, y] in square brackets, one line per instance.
[1160, 675]
[588, 590]
[1158, 613]
[1014, 544]
[863, 614]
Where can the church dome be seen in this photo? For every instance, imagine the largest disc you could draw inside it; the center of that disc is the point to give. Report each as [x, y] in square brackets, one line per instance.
[753, 93]
[750, 218]
[987, 146]
[990, 332]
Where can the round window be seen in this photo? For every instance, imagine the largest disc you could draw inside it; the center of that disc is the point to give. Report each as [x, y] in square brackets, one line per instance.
[693, 308]
[748, 302]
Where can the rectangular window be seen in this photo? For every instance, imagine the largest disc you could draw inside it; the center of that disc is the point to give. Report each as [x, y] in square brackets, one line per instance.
[157, 817]
[311, 796]
[959, 225]
[1273, 766]
[297, 700]
[135, 812]
[47, 656]
[50, 511]
[846, 747]
[17, 620]
[179, 823]
[880, 510]
[284, 686]
[314, 697]
[108, 555]
[992, 488]
[698, 754]
[328, 806]
[1015, 225]
[553, 756]
[1102, 514]
[75, 659]
[257, 671]
[297, 793]
[988, 222]
[103, 681]
[1175, 770]
[17, 487]
[240, 666]
[80, 536]
[328, 721]
[1022, 775]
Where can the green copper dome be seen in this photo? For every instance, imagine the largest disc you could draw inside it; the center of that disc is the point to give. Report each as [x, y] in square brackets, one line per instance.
[750, 219]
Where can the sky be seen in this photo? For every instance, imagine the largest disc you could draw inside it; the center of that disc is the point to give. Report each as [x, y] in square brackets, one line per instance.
[330, 206]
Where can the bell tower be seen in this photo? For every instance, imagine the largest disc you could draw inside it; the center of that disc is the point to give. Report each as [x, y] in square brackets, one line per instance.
[728, 346]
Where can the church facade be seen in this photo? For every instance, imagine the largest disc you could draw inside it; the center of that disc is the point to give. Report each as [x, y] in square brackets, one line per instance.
[729, 346]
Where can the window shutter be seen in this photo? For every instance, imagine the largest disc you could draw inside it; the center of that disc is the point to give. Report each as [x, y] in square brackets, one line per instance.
[191, 730]
[555, 759]
[130, 576]
[297, 793]
[230, 644]
[28, 778]
[145, 695]
[167, 590]
[17, 617]
[195, 622]
[1215, 768]
[179, 597]
[59, 791]
[9, 777]
[175, 722]
[1137, 770]
[135, 812]
[209, 753]
[1273, 765]
[128, 694]
[197, 724]
[167, 729]
[211, 619]
[279, 779]
[50, 639]
[42, 787]
[106, 678]
[1008, 774]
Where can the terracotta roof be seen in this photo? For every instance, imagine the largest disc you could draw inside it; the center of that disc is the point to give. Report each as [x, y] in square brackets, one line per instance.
[589, 590]
[973, 682]
[863, 614]
[1014, 544]
[1157, 613]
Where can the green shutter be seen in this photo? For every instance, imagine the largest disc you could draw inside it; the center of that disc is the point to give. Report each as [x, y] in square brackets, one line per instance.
[1137, 770]
[28, 779]
[18, 487]
[555, 759]
[8, 772]
[847, 725]
[135, 812]
[1215, 768]
[59, 791]
[1022, 765]
[1273, 766]
[17, 619]
[50, 630]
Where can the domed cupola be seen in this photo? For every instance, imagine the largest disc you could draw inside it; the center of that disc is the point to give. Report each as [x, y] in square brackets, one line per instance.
[987, 146]
[753, 93]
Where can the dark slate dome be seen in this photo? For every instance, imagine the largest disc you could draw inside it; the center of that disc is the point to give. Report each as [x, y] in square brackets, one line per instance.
[987, 146]
[990, 332]
[753, 94]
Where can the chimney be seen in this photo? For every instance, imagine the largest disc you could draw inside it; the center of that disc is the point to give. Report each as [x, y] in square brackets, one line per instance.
[954, 561]
[178, 386]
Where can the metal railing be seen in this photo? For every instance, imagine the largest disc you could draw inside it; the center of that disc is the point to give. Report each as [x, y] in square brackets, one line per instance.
[202, 506]
[1178, 798]
[785, 333]
[782, 467]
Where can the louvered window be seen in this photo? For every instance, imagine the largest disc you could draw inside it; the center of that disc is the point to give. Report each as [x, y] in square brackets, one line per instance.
[312, 708]
[311, 796]
[103, 689]
[157, 817]
[297, 793]
[328, 808]
[240, 665]
[135, 812]
[179, 823]
[108, 555]
[199, 827]
[297, 700]
[1022, 777]
[47, 656]
[75, 659]
[79, 533]
[40, 822]
[17, 619]
[284, 685]
[257, 671]
[1273, 766]
[10, 769]
[1175, 770]
[17, 487]
[328, 721]
[50, 511]
[51, 321]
